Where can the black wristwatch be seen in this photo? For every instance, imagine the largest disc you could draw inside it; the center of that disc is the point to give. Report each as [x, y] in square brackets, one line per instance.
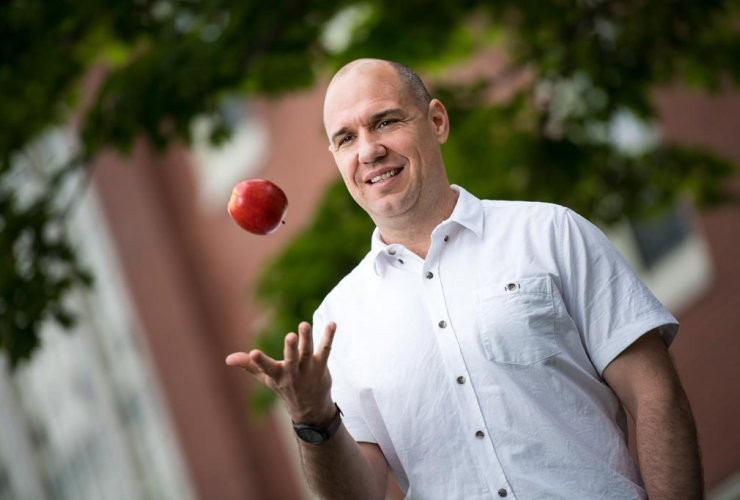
[316, 434]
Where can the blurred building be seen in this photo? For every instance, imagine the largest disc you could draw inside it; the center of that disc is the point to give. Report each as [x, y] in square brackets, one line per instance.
[86, 418]
[707, 350]
[138, 403]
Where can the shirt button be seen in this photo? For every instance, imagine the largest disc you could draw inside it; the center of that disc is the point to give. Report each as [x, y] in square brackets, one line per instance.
[447, 237]
[391, 252]
[460, 379]
[511, 287]
[443, 324]
[502, 492]
[430, 275]
[480, 434]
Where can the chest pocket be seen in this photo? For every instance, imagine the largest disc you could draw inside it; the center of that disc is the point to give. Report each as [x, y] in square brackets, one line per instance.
[516, 321]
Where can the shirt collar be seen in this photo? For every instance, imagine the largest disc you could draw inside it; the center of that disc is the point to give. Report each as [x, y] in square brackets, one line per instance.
[468, 213]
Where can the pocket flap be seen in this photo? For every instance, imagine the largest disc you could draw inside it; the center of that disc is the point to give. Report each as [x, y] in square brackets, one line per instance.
[515, 286]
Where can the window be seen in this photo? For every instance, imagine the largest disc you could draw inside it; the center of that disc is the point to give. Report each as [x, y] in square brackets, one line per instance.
[656, 238]
[669, 255]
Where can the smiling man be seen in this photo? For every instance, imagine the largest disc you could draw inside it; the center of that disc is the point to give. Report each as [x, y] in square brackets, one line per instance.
[484, 349]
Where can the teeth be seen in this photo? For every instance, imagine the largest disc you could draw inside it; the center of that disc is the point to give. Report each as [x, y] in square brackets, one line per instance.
[385, 176]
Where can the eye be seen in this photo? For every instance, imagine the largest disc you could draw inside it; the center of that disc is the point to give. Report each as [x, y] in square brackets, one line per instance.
[385, 123]
[344, 140]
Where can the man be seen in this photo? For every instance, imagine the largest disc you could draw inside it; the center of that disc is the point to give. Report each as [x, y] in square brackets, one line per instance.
[484, 347]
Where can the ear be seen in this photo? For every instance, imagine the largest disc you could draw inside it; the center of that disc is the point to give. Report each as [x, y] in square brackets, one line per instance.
[439, 119]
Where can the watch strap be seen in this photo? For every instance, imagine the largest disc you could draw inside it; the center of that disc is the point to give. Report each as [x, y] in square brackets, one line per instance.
[325, 432]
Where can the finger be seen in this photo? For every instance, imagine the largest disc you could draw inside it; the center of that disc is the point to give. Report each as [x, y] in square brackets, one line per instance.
[290, 350]
[242, 360]
[324, 349]
[236, 358]
[305, 341]
[265, 363]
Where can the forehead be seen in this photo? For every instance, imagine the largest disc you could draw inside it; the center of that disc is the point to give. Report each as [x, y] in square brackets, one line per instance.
[360, 94]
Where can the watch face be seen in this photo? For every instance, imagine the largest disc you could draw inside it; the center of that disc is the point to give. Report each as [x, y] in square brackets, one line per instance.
[310, 436]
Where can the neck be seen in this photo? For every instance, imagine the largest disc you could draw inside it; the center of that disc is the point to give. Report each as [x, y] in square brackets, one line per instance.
[416, 234]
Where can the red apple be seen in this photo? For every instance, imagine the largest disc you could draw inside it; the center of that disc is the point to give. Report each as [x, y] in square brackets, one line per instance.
[258, 206]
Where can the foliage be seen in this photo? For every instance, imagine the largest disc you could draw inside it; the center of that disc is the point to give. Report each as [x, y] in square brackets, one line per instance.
[575, 69]
[35, 229]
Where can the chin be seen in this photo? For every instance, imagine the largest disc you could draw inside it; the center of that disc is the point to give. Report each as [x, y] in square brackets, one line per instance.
[391, 209]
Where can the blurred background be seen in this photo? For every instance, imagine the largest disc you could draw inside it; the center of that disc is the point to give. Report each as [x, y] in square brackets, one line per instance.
[124, 283]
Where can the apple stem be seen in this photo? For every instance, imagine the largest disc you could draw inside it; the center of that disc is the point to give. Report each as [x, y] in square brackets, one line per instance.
[283, 222]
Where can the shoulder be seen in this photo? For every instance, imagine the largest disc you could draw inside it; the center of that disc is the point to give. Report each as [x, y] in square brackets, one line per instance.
[343, 304]
[523, 208]
[554, 232]
[525, 218]
[349, 289]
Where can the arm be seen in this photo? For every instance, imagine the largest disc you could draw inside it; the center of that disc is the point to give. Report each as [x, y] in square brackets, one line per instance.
[340, 467]
[645, 381]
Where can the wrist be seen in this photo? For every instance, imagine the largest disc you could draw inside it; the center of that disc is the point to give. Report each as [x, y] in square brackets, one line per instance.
[321, 416]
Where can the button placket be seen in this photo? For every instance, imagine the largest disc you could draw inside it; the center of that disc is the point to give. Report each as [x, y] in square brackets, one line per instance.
[456, 368]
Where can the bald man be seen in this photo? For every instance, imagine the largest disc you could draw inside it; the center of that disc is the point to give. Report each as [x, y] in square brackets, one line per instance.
[486, 349]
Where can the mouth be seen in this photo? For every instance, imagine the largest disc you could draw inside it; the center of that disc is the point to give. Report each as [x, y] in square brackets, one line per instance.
[385, 176]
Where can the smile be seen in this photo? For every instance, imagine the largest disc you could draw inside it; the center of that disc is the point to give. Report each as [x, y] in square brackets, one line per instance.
[385, 176]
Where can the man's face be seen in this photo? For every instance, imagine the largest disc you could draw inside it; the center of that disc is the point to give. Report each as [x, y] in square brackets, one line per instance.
[386, 148]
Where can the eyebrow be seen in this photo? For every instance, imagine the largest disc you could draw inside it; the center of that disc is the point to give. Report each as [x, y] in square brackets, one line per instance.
[374, 118]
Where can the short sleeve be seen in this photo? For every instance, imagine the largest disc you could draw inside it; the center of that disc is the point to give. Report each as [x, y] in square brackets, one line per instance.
[608, 302]
[344, 395]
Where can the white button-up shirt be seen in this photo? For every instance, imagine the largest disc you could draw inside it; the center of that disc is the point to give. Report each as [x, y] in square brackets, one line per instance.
[478, 369]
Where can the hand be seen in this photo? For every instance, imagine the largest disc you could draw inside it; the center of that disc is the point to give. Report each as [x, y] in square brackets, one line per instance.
[302, 379]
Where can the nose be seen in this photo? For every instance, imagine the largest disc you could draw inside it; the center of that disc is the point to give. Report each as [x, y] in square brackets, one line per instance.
[371, 150]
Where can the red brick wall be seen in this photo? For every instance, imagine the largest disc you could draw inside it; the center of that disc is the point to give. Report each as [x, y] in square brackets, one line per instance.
[707, 350]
